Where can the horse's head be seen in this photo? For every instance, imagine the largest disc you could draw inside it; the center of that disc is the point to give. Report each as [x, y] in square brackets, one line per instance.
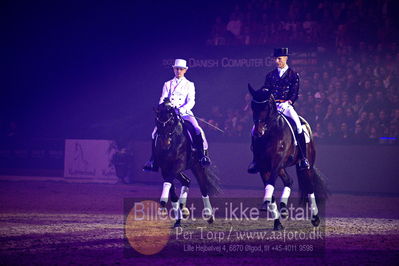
[263, 109]
[167, 121]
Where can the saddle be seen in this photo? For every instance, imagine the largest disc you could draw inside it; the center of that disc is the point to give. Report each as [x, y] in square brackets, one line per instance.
[293, 127]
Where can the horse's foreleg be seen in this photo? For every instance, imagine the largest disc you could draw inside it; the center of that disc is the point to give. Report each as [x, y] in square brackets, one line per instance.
[185, 181]
[175, 206]
[269, 180]
[269, 202]
[287, 180]
[269, 189]
[165, 194]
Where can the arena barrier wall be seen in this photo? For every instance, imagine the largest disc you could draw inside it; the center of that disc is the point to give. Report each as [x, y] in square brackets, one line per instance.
[348, 168]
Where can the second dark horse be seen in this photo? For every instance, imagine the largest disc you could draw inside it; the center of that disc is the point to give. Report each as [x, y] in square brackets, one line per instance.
[275, 150]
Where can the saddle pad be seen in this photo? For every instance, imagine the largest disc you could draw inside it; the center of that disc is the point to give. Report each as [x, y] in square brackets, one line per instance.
[292, 126]
[307, 135]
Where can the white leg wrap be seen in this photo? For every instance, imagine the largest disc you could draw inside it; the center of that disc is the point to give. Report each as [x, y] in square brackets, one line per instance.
[313, 206]
[183, 195]
[165, 191]
[207, 205]
[176, 209]
[272, 208]
[269, 189]
[286, 194]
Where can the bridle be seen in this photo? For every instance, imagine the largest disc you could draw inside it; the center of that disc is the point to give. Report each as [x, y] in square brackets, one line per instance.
[164, 123]
[265, 101]
[261, 103]
[266, 121]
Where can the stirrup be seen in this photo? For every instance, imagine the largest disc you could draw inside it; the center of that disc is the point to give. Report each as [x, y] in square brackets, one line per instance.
[150, 166]
[252, 168]
[205, 161]
[304, 164]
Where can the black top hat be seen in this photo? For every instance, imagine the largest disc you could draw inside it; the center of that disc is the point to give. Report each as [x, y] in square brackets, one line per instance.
[280, 52]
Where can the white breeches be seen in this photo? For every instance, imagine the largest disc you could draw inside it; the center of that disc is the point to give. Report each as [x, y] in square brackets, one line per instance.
[288, 110]
[194, 122]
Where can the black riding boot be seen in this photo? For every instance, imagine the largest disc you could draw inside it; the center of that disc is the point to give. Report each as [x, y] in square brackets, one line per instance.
[151, 165]
[202, 155]
[253, 168]
[304, 164]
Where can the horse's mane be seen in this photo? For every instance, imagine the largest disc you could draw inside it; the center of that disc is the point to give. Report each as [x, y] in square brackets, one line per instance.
[166, 105]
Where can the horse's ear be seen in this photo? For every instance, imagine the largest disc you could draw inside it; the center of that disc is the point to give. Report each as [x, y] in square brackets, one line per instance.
[251, 90]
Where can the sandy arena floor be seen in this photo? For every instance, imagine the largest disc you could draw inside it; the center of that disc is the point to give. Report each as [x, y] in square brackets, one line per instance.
[71, 223]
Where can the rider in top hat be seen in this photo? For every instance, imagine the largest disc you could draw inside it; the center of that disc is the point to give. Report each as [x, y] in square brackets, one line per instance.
[283, 82]
[181, 93]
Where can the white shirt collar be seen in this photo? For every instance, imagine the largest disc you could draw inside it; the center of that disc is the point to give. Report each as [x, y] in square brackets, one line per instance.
[281, 71]
[176, 80]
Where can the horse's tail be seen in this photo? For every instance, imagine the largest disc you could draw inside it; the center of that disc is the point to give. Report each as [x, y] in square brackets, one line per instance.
[317, 181]
[212, 180]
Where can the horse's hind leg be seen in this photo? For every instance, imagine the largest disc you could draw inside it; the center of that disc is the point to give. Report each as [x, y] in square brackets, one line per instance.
[207, 212]
[307, 188]
[287, 180]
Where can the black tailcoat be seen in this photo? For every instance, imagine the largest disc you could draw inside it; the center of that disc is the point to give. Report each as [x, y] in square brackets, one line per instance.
[284, 88]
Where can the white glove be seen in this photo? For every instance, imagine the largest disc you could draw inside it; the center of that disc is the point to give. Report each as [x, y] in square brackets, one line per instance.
[182, 111]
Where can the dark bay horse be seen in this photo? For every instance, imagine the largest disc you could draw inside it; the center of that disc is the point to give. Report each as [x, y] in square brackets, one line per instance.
[275, 150]
[173, 153]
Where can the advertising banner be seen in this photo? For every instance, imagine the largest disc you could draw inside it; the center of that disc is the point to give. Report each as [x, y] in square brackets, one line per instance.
[89, 159]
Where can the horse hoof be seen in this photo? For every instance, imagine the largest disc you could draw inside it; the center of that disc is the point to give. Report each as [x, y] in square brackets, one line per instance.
[162, 204]
[283, 210]
[207, 214]
[277, 225]
[177, 224]
[185, 212]
[163, 212]
[264, 206]
[211, 220]
[315, 220]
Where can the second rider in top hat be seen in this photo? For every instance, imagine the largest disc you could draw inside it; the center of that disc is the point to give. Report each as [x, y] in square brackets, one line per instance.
[181, 93]
[283, 82]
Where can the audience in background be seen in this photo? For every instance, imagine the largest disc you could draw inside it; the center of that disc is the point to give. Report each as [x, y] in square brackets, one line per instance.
[353, 95]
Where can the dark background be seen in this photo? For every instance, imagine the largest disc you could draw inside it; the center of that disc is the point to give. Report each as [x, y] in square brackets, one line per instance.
[70, 64]
[93, 69]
